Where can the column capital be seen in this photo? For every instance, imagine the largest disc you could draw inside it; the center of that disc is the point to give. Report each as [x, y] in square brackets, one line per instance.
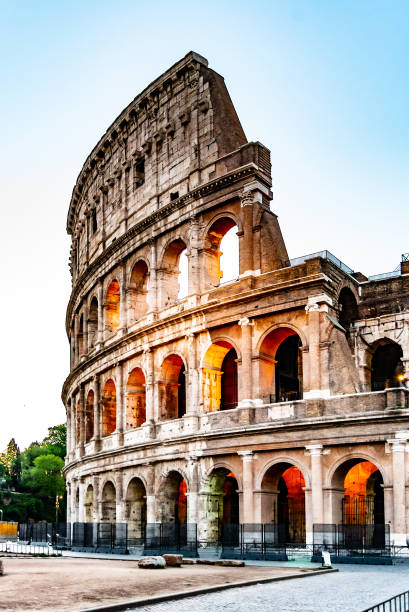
[314, 449]
[246, 455]
[245, 321]
[318, 303]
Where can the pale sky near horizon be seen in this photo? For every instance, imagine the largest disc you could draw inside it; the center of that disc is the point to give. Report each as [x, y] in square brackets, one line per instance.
[324, 85]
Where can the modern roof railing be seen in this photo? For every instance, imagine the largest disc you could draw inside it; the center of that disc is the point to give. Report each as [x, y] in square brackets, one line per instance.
[325, 255]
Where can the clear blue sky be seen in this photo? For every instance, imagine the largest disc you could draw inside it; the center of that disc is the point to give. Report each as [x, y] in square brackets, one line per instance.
[324, 85]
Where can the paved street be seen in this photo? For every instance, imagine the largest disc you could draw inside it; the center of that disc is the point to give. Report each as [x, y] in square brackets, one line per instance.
[352, 589]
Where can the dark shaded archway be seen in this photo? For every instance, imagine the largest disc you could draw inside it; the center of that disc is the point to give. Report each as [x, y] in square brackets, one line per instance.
[386, 366]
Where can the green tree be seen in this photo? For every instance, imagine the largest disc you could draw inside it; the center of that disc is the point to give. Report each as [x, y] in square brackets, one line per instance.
[10, 460]
[45, 476]
[56, 440]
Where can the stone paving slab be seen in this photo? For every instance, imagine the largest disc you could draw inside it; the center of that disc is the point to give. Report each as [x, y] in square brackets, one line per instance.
[62, 583]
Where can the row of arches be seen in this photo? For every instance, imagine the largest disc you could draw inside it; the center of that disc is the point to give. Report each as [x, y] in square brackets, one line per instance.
[280, 375]
[358, 483]
[280, 370]
[221, 264]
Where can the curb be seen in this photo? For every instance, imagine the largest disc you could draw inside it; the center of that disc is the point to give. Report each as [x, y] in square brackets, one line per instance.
[145, 601]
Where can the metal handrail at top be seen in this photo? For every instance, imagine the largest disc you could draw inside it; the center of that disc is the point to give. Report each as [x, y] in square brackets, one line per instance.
[325, 255]
[398, 603]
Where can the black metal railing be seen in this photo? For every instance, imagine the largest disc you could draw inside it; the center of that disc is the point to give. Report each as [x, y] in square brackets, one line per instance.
[399, 603]
[352, 540]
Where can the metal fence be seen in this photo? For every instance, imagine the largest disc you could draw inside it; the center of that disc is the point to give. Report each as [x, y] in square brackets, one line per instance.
[172, 538]
[19, 548]
[399, 603]
[352, 540]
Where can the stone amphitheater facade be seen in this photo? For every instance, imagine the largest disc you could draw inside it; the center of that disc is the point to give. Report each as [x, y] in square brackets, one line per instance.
[279, 396]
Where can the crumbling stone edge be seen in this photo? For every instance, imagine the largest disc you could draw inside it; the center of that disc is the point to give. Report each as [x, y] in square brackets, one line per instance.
[138, 603]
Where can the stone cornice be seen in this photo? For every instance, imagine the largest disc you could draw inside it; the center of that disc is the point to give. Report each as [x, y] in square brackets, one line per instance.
[250, 170]
[307, 424]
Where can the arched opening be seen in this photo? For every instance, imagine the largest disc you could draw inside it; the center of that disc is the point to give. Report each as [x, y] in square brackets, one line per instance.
[89, 504]
[358, 503]
[135, 399]
[173, 499]
[81, 337]
[283, 503]
[108, 503]
[220, 506]
[138, 291]
[108, 408]
[281, 366]
[172, 388]
[112, 307]
[221, 253]
[135, 512]
[89, 416]
[173, 283]
[387, 369]
[219, 377]
[347, 308]
[93, 322]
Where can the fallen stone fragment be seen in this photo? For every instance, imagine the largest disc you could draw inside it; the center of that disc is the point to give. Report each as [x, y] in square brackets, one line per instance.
[1, 568]
[152, 563]
[233, 563]
[188, 561]
[173, 560]
[206, 561]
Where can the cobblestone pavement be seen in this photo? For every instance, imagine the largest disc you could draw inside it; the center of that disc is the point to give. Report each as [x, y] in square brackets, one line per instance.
[352, 589]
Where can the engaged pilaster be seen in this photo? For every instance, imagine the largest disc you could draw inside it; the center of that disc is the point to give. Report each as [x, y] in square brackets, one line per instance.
[248, 486]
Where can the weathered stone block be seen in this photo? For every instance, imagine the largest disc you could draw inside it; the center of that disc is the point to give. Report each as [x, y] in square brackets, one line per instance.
[152, 563]
[173, 560]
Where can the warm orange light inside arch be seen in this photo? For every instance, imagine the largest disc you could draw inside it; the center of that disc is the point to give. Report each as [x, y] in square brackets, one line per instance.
[295, 482]
[356, 480]
[112, 306]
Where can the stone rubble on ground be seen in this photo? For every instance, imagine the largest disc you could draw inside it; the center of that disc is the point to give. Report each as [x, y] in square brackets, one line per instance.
[152, 563]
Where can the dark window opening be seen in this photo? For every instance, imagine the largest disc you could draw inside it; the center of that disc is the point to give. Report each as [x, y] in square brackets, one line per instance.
[228, 398]
[288, 370]
[174, 196]
[182, 392]
[138, 174]
[94, 220]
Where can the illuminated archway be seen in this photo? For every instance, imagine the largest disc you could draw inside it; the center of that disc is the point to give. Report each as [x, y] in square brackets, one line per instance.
[135, 512]
[281, 366]
[112, 307]
[173, 285]
[219, 377]
[172, 388]
[108, 408]
[221, 252]
[283, 502]
[89, 416]
[387, 369]
[358, 503]
[173, 499]
[135, 399]
[138, 291]
[108, 503]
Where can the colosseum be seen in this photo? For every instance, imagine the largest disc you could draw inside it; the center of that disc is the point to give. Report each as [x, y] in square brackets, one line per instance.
[271, 399]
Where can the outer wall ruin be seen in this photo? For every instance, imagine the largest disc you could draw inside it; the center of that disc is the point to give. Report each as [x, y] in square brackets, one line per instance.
[279, 396]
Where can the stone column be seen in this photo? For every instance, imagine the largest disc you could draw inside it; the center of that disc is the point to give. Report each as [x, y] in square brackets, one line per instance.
[82, 420]
[248, 487]
[150, 494]
[100, 333]
[120, 404]
[69, 440]
[153, 285]
[194, 263]
[97, 413]
[317, 500]
[193, 377]
[81, 500]
[149, 386]
[192, 494]
[120, 502]
[398, 448]
[246, 242]
[74, 425]
[96, 498]
[76, 334]
[245, 390]
[316, 305]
